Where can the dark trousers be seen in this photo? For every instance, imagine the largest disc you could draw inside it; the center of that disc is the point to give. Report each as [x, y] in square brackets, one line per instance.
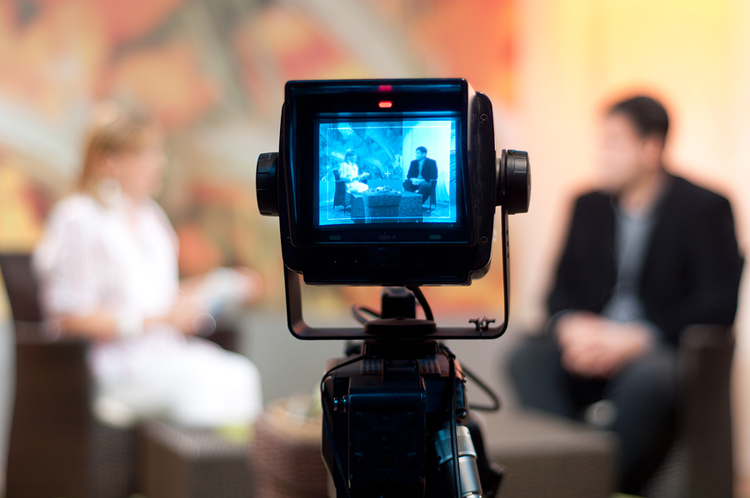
[644, 394]
[424, 188]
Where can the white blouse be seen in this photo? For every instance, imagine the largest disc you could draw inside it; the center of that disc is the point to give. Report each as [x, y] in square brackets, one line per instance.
[116, 256]
[122, 257]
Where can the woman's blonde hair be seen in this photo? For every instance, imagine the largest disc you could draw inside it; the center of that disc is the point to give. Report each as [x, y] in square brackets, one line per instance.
[115, 127]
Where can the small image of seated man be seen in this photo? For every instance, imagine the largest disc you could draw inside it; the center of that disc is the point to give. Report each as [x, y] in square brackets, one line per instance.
[421, 171]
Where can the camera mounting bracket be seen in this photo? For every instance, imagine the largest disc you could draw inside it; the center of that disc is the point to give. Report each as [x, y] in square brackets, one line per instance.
[301, 330]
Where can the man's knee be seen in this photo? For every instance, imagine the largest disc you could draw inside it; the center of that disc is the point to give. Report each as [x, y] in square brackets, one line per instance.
[408, 186]
[653, 375]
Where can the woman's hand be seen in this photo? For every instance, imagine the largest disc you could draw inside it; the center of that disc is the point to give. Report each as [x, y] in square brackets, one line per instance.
[187, 317]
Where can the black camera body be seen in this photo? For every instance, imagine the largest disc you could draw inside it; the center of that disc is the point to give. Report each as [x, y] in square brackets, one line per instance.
[381, 410]
[354, 208]
[367, 246]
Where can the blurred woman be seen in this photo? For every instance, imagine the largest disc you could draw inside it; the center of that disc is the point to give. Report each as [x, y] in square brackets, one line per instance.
[107, 267]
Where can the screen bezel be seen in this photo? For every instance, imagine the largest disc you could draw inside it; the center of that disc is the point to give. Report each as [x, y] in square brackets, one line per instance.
[309, 104]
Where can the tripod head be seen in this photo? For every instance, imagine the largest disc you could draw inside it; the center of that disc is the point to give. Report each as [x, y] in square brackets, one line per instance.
[398, 411]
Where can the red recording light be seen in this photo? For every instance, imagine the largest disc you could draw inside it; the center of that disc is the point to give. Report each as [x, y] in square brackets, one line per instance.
[385, 88]
[385, 104]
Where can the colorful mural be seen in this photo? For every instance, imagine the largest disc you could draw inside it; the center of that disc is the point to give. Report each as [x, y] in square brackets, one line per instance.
[213, 71]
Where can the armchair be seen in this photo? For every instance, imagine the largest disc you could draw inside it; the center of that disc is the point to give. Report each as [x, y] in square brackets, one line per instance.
[433, 195]
[57, 446]
[339, 195]
[699, 461]
[692, 456]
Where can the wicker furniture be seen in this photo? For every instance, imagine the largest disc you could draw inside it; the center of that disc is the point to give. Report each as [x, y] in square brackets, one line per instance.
[357, 204]
[178, 462]
[57, 447]
[381, 206]
[286, 455]
[699, 463]
[410, 210]
[339, 195]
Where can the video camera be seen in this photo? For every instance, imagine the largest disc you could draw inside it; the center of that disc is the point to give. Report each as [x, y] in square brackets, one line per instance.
[393, 183]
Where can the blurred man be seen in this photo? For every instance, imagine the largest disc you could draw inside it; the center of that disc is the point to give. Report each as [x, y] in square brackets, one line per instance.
[646, 255]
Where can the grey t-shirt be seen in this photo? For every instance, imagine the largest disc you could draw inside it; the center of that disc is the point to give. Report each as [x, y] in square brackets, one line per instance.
[633, 234]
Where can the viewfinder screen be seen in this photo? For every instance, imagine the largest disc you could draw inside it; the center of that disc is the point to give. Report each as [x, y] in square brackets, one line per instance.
[399, 172]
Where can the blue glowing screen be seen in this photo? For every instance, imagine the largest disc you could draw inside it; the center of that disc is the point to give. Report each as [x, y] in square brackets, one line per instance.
[394, 171]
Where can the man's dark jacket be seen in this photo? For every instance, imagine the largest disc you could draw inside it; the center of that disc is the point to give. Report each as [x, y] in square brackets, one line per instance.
[692, 267]
[429, 169]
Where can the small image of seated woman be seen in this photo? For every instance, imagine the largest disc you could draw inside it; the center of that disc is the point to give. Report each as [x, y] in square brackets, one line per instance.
[349, 172]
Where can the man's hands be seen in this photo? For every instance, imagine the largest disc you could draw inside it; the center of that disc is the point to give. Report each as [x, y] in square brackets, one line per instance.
[593, 346]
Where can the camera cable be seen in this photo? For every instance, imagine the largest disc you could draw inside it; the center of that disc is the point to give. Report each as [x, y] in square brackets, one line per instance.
[422, 301]
[495, 400]
[454, 440]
